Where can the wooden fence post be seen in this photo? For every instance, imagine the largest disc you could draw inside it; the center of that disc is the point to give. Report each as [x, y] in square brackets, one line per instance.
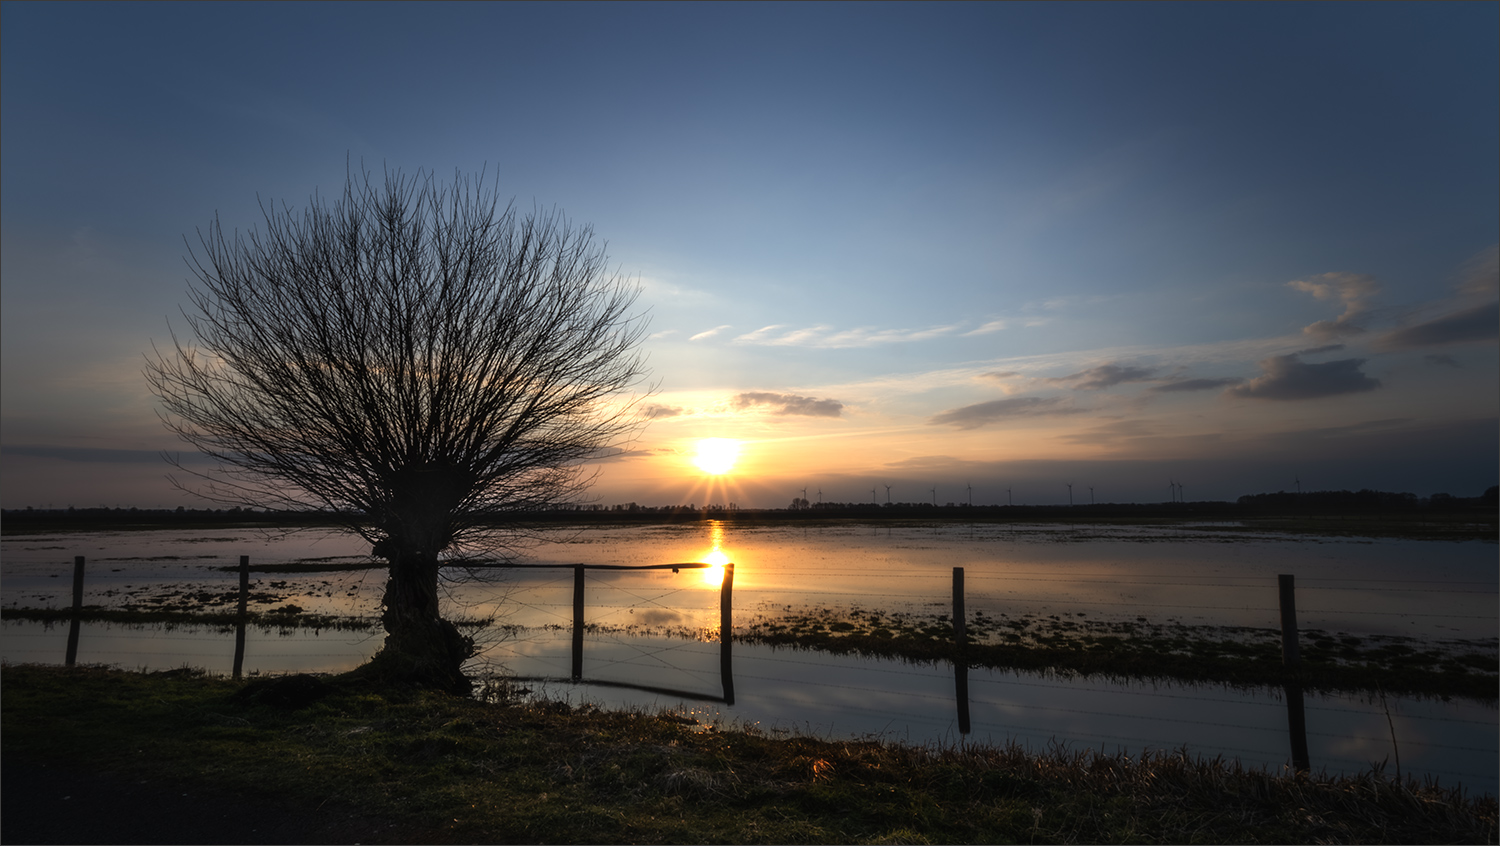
[726, 633]
[72, 657]
[1296, 714]
[1287, 588]
[577, 622]
[960, 652]
[240, 619]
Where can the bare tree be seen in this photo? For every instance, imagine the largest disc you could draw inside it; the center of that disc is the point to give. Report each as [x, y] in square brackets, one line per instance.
[416, 360]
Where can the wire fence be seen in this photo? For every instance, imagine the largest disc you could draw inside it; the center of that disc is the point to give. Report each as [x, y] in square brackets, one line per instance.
[1433, 738]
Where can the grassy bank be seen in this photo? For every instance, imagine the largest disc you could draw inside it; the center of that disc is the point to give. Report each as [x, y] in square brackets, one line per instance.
[452, 770]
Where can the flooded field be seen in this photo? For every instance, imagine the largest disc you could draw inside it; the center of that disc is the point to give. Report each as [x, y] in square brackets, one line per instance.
[659, 629]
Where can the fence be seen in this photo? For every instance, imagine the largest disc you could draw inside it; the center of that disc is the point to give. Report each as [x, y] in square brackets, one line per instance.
[1296, 732]
[726, 621]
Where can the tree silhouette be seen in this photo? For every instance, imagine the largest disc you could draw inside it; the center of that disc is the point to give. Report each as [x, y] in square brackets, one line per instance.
[416, 360]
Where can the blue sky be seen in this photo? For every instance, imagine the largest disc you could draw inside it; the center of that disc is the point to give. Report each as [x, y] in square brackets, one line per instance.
[1002, 245]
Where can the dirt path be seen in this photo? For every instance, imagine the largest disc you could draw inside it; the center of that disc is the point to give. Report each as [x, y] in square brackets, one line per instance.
[59, 803]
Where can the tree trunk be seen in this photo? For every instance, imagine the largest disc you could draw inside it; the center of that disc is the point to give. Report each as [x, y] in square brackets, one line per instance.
[421, 648]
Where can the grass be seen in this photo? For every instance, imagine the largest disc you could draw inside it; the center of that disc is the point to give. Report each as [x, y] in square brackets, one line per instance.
[513, 769]
[1142, 649]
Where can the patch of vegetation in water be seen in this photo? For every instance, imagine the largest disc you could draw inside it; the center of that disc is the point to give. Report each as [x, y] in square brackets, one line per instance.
[283, 618]
[516, 769]
[1144, 649]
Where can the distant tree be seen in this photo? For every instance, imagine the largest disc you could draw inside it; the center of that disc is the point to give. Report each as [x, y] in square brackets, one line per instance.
[415, 360]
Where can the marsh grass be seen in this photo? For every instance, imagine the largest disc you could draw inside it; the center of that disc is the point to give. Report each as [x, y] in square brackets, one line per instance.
[516, 769]
[1143, 649]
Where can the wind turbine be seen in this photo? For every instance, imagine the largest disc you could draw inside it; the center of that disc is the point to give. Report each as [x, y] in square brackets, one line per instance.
[1007, 497]
[1091, 494]
[887, 494]
[820, 496]
[1070, 493]
[1299, 484]
[934, 497]
[874, 499]
[971, 495]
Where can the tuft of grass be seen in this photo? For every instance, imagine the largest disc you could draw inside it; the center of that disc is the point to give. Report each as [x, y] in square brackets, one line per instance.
[514, 769]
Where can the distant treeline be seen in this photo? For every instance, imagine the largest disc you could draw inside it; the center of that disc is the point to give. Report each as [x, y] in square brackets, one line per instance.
[1367, 500]
[1281, 502]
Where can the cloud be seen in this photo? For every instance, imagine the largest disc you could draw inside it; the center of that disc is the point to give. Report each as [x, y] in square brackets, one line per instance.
[709, 333]
[1481, 274]
[759, 335]
[826, 337]
[1354, 290]
[1287, 378]
[1323, 349]
[1477, 323]
[1111, 433]
[105, 456]
[1196, 384]
[1439, 359]
[789, 404]
[980, 414]
[1104, 376]
[656, 336]
[992, 326]
[657, 412]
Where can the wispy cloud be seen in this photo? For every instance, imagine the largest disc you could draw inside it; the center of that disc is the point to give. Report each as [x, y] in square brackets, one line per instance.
[701, 336]
[1478, 323]
[1104, 376]
[984, 413]
[1196, 385]
[1288, 378]
[790, 404]
[1354, 290]
[658, 412]
[665, 333]
[1481, 274]
[992, 326]
[760, 335]
[824, 336]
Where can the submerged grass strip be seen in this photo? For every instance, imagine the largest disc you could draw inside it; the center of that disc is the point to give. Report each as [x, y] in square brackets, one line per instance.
[1230, 655]
[458, 770]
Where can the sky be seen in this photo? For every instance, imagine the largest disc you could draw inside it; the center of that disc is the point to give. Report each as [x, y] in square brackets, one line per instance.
[973, 252]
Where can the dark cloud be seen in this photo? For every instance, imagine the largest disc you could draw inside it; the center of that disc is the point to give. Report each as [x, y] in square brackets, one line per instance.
[789, 404]
[999, 375]
[1197, 384]
[1111, 434]
[1326, 348]
[980, 414]
[1479, 323]
[617, 454]
[105, 456]
[1441, 359]
[657, 412]
[1287, 378]
[1105, 376]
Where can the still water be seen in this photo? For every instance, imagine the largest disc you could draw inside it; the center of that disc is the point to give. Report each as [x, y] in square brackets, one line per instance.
[659, 629]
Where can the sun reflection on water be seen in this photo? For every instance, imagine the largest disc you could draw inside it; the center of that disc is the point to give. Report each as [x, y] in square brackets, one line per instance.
[714, 575]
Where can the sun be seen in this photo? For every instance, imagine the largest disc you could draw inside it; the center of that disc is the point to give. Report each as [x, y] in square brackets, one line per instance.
[716, 456]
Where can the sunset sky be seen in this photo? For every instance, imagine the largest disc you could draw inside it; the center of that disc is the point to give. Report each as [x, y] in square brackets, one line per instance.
[986, 249]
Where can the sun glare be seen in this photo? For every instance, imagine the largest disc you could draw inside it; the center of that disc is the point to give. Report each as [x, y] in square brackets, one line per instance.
[716, 456]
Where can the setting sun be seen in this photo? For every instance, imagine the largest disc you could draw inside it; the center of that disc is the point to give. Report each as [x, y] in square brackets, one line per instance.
[716, 456]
